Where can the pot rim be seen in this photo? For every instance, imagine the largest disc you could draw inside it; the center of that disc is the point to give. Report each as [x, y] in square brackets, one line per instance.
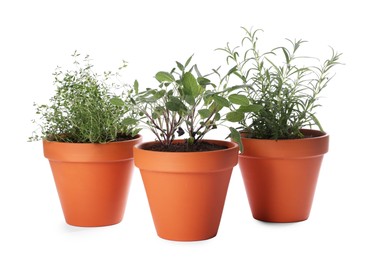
[230, 146]
[187, 162]
[90, 152]
[287, 148]
[317, 134]
[137, 137]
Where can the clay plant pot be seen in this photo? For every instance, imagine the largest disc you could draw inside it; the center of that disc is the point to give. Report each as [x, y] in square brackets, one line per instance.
[92, 180]
[281, 176]
[186, 191]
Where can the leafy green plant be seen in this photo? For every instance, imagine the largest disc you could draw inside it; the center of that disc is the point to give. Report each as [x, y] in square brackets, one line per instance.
[83, 108]
[280, 85]
[185, 102]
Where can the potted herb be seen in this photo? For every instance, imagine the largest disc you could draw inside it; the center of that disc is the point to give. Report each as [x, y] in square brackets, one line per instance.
[282, 153]
[185, 179]
[88, 138]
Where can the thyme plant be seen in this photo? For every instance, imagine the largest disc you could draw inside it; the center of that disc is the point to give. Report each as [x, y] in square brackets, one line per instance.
[279, 82]
[83, 109]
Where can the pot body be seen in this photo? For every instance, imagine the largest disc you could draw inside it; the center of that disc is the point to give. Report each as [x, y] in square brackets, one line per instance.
[186, 191]
[280, 176]
[92, 180]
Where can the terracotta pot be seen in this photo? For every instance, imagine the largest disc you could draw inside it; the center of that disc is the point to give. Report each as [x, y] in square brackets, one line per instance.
[281, 176]
[186, 191]
[92, 180]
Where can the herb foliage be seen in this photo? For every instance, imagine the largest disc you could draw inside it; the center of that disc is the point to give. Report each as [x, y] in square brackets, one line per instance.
[186, 102]
[84, 109]
[281, 86]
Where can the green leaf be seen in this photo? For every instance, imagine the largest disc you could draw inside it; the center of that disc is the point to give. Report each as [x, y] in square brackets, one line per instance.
[286, 55]
[159, 94]
[153, 95]
[170, 93]
[190, 85]
[160, 109]
[129, 121]
[175, 104]
[236, 137]
[197, 71]
[221, 101]
[136, 131]
[135, 86]
[234, 116]
[155, 115]
[116, 101]
[180, 66]
[250, 108]
[204, 113]
[316, 121]
[172, 106]
[215, 107]
[217, 117]
[203, 81]
[163, 76]
[189, 99]
[234, 69]
[239, 99]
[158, 112]
[188, 61]
[208, 97]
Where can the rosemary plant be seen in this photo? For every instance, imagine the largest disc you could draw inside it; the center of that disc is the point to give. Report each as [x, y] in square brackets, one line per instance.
[283, 88]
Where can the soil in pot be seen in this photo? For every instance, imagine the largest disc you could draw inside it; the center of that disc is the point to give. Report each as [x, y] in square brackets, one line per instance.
[185, 147]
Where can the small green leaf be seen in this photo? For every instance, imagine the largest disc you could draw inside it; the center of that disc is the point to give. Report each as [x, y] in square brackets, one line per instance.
[208, 97]
[316, 121]
[250, 108]
[188, 61]
[203, 81]
[180, 66]
[239, 99]
[172, 106]
[215, 107]
[159, 94]
[234, 116]
[136, 131]
[217, 117]
[159, 109]
[232, 70]
[204, 113]
[216, 72]
[175, 104]
[221, 101]
[197, 71]
[163, 76]
[236, 137]
[116, 101]
[286, 55]
[129, 121]
[189, 99]
[170, 93]
[135, 86]
[155, 115]
[190, 85]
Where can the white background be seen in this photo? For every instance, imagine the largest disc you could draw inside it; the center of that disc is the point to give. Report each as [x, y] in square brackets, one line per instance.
[36, 36]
